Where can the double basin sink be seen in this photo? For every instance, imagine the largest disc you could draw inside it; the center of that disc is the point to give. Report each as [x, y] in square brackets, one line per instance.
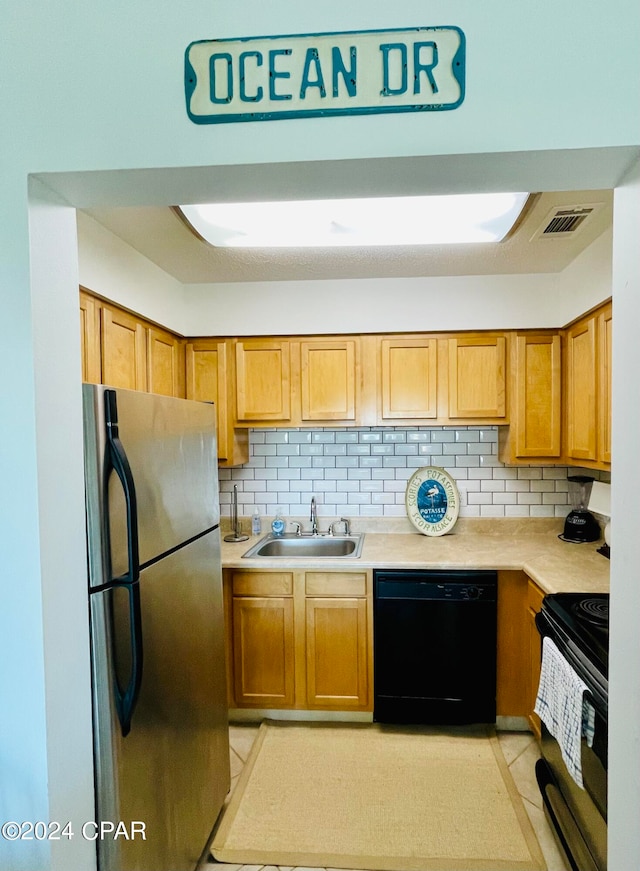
[295, 546]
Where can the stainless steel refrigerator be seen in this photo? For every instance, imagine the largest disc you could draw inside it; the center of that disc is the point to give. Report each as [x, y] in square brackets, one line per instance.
[161, 733]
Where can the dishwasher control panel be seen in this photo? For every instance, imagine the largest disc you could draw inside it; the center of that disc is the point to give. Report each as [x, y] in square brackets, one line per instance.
[470, 586]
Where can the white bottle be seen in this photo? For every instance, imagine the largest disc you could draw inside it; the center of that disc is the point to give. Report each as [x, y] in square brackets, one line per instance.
[256, 524]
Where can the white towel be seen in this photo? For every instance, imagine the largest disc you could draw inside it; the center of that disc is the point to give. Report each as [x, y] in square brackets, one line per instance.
[561, 706]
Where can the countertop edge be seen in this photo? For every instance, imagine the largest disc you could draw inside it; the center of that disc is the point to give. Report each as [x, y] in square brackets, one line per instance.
[553, 565]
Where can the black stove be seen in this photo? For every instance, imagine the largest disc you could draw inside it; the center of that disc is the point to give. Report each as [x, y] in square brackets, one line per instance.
[578, 624]
[584, 618]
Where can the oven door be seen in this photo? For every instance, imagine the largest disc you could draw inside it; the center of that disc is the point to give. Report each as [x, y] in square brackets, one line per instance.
[579, 816]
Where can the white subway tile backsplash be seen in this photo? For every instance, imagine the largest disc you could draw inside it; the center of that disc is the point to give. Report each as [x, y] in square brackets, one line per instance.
[363, 471]
[394, 436]
[276, 437]
[370, 437]
[495, 485]
[529, 473]
[346, 436]
[443, 435]
[467, 435]
[308, 450]
[529, 498]
[335, 450]
[394, 462]
[469, 461]
[379, 450]
[492, 511]
[358, 450]
[323, 437]
[418, 436]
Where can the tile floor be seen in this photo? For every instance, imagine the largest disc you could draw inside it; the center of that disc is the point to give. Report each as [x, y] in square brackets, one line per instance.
[520, 750]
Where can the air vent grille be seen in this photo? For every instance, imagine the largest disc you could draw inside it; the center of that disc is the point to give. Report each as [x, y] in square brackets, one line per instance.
[563, 221]
[566, 221]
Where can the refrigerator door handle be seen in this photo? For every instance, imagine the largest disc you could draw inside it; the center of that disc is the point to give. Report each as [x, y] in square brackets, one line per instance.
[116, 460]
[127, 699]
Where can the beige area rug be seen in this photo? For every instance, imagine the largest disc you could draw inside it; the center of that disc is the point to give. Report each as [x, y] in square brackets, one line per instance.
[377, 797]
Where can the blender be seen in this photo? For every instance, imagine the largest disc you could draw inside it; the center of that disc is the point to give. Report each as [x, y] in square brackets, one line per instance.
[580, 525]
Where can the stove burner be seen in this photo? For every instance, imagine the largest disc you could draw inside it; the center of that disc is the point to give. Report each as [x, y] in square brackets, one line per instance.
[596, 611]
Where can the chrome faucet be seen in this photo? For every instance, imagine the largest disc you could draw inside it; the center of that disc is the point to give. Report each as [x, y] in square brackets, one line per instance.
[347, 526]
[314, 517]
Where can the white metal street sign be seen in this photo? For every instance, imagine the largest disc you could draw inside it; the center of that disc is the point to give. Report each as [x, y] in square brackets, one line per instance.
[264, 78]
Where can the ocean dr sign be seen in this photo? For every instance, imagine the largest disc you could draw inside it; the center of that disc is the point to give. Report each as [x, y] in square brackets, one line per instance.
[264, 78]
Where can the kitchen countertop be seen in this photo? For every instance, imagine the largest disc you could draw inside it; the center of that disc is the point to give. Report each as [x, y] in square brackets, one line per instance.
[555, 565]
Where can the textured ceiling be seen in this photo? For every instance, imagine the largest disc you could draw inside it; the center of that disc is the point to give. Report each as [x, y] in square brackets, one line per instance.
[161, 236]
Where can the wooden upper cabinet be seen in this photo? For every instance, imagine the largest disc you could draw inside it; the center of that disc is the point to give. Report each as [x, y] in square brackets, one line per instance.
[165, 363]
[605, 324]
[536, 409]
[207, 381]
[477, 377]
[90, 339]
[329, 372]
[408, 373]
[124, 349]
[263, 389]
[580, 399]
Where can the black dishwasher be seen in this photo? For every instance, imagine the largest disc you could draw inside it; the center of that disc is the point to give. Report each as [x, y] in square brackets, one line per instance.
[435, 646]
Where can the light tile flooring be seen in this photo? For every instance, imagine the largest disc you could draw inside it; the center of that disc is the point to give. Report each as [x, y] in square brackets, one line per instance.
[520, 750]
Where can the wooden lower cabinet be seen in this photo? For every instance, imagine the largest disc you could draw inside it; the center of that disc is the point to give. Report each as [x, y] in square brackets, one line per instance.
[263, 651]
[512, 696]
[336, 653]
[534, 602]
[300, 640]
[519, 600]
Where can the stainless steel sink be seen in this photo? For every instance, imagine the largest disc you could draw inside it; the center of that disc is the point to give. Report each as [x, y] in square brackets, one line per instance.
[311, 546]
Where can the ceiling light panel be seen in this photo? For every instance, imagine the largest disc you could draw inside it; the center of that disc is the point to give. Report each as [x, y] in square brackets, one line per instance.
[380, 221]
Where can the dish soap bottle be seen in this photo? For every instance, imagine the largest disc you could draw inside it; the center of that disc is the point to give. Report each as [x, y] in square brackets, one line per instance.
[256, 525]
[278, 525]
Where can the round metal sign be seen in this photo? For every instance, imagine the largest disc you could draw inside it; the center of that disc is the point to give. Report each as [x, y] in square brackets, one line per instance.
[432, 501]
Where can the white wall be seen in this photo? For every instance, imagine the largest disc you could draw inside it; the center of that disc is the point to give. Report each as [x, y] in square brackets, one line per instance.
[587, 281]
[472, 302]
[93, 102]
[111, 268]
[624, 660]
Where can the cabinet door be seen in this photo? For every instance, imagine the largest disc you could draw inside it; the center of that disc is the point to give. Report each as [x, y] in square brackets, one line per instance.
[263, 651]
[263, 390]
[124, 350]
[329, 379]
[534, 603]
[165, 360]
[537, 409]
[477, 377]
[605, 324]
[581, 390]
[409, 378]
[90, 339]
[207, 379]
[337, 653]
[513, 658]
